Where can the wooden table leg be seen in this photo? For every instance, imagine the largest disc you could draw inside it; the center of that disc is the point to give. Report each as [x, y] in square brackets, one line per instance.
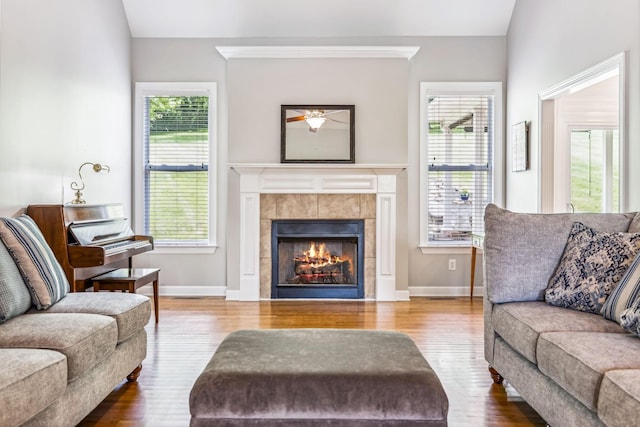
[473, 270]
[155, 298]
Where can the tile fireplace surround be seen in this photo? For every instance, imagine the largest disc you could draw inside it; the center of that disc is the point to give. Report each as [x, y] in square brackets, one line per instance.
[307, 191]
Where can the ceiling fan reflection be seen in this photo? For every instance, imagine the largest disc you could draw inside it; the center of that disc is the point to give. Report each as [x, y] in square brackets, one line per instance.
[315, 118]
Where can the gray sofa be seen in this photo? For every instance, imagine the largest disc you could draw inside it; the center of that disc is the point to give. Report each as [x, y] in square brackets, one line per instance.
[61, 353]
[574, 368]
[59, 364]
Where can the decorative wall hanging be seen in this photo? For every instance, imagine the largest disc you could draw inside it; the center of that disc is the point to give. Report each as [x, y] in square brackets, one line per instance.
[520, 147]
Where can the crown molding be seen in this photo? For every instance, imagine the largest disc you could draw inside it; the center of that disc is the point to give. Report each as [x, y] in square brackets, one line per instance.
[302, 52]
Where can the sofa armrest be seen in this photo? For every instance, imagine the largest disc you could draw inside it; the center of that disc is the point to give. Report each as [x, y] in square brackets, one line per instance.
[489, 333]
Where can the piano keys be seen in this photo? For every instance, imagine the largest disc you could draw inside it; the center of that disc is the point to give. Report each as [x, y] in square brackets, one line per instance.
[89, 240]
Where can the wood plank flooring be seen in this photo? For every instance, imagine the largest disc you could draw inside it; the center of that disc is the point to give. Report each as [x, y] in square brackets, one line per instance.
[449, 332]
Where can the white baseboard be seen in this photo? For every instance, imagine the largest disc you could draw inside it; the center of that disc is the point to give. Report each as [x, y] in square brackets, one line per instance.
[444, 291]
[402, 295]
[185, 291]
[234, 295]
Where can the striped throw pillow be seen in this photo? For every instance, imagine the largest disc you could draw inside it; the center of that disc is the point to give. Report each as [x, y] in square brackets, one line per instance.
[35, 260]
[624, 294]
[14, 295]
[630, 318]
[634, 226]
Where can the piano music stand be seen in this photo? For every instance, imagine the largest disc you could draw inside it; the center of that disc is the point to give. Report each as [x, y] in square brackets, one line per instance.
[128, 279]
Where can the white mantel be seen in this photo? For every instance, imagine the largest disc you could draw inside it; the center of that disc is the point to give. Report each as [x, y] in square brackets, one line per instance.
[317, 178]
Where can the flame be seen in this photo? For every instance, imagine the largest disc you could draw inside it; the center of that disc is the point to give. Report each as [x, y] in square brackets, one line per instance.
[318, 255]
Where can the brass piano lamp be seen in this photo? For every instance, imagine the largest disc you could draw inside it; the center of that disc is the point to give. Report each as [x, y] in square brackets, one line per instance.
[97, 167]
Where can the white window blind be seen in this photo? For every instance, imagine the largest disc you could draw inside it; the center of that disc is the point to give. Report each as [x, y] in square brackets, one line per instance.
[176, 169]
[459, 131]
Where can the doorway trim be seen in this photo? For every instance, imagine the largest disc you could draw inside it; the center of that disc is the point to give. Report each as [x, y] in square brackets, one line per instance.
[547, 125]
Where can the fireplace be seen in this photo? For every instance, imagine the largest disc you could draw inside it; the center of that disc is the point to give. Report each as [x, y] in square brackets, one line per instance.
[268, 192]
[317, 258]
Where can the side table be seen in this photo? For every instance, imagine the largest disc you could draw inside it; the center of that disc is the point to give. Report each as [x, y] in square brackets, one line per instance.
[477, 242]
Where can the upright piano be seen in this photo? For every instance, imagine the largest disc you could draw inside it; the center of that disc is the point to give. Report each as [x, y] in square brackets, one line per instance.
[89, 240]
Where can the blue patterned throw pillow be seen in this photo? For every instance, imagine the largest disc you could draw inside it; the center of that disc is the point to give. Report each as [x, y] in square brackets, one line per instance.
[37, 264]
[591, 266]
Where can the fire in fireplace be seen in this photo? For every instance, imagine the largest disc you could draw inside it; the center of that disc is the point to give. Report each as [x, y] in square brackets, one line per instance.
[322, 263]
[317, 258]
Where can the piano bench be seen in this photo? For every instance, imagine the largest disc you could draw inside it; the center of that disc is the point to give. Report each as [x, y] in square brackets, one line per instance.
[128, 279]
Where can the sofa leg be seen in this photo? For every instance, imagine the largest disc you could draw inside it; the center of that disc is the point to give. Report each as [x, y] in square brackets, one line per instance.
[497, 378]
[133, 376]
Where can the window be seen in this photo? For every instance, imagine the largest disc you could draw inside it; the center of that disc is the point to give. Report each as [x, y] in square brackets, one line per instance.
[175, 134]
[459, 139]
[595, 170]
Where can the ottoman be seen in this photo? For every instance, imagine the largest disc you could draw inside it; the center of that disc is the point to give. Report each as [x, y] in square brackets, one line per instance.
[317, 377]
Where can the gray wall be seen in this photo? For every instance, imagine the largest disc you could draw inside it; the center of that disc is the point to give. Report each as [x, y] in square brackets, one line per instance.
[66, 69]
[65, 98]
[444, 59]
[189, 60]
[551, 41]
[386, 95]
[377, 88]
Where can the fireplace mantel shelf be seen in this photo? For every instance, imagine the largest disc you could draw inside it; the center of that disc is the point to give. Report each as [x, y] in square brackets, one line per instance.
[316, 177]
[318, 166]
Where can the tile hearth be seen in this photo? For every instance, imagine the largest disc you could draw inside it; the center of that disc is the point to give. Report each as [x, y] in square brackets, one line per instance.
[318, 206]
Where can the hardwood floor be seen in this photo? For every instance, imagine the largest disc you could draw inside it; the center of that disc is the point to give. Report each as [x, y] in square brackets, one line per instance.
[449, 332]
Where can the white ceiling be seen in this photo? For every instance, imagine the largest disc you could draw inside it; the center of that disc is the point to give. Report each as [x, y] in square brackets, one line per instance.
[322, 18]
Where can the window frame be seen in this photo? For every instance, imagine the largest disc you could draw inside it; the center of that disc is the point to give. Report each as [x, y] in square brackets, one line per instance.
[145, 89]
[497, 177]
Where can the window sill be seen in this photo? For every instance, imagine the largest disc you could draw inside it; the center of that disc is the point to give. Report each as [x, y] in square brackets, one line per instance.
[445, 250]
[185, 250]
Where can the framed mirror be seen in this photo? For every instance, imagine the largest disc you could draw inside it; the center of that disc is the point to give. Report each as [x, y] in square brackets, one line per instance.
[317, 134]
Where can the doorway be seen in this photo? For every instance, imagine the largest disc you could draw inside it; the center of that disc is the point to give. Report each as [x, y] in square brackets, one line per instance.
[582, 141]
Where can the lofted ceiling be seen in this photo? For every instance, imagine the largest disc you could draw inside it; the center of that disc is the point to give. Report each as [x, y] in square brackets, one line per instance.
[322, 18]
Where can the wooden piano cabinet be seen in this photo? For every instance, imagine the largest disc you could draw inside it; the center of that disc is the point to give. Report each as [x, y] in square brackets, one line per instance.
[83, 262]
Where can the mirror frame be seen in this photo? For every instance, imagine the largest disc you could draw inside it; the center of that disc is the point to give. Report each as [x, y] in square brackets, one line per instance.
[285, 142]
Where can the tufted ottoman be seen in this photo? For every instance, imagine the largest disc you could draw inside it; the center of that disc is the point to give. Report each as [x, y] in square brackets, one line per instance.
[317, 377]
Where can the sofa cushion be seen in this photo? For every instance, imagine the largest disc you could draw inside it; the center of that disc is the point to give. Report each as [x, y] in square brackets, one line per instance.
[131, 311]
[592, 264]
[577, 361]
[521, 323]
[29, 382]
[523, 250]
[85, 339]
[623, 295]
[14, 295]
[619, 398]
[39, 267]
